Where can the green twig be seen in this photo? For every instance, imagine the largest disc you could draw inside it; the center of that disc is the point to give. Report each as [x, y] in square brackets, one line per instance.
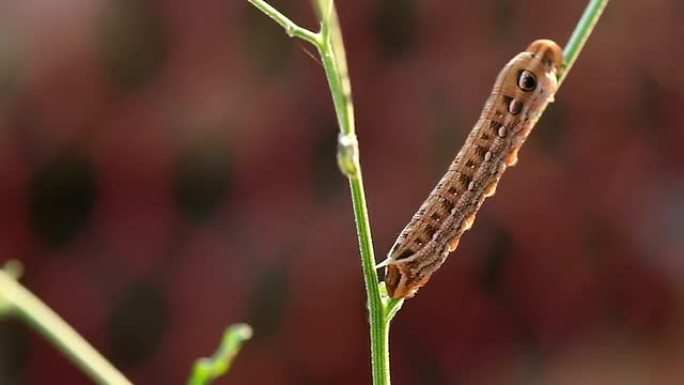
[208, 369]
[578, 38]
[291, 29]
[580, 35]
[330, 46]
[16, 299]
[335, 65]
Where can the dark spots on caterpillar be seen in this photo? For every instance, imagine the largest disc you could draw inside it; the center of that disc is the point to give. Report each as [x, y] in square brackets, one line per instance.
[452, 190]
[481, 151]
[435, 216]
[447, 204]
[430, 231]
[470, 163]
[404, 254]
[496, 126]
[464, 179]
[485, 136]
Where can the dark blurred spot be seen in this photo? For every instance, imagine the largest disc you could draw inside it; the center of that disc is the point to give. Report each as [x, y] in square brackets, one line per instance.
[495, 258]
[503, 18]
[9, 73]
[267, 44]
[133, 41]
[598, 238]
[137, 325]
[395, 25]
[405, 254]
[62, 197]
[450, 131]
[203, 177]
[429, 370]
[655, 111]
[426, 366]
[552, 128]
[14, 351]
[596, 235]
[267, 302]
[326, 174]
[651, 97]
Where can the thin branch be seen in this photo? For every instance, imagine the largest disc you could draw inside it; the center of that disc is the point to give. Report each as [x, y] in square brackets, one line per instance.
[335, 64]
[291, 28]
[580, 35]
[16, 299]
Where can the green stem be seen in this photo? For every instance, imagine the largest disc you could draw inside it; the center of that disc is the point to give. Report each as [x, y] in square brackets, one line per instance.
[580, 35]
[379, 323]
[17, 299]
[335, 65]
[292, 29]
[331, 49]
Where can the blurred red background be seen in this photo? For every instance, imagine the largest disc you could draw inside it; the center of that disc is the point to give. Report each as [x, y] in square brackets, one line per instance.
[168, 168]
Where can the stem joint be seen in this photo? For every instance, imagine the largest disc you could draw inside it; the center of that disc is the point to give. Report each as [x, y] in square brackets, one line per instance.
[348, 154]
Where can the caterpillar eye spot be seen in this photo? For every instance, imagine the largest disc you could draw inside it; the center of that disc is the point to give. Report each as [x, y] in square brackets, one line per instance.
[527, 81]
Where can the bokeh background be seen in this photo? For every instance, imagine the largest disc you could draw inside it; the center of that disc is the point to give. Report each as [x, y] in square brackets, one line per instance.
[168, 167]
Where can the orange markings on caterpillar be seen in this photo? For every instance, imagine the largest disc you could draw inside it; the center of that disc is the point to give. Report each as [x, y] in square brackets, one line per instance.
[523, 88]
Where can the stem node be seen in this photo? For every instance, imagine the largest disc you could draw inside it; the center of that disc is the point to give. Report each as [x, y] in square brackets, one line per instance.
[348, 154]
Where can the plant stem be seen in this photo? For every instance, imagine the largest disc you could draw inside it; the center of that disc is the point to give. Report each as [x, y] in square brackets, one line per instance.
[291, 29]
[580, 35]
[17, 299]
[335, 65]
[379, 324]
[331, 49]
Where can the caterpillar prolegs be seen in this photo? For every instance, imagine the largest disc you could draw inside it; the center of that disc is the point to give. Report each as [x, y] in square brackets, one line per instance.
[523, 88]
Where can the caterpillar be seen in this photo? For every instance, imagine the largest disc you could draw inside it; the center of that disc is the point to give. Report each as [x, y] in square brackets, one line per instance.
[523, 88]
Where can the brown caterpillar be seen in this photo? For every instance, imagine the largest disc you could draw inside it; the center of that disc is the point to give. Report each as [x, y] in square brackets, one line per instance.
[523, 88]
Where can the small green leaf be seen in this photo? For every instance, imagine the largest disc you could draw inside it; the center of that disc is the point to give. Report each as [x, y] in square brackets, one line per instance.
[390, 306]
[208, 369]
